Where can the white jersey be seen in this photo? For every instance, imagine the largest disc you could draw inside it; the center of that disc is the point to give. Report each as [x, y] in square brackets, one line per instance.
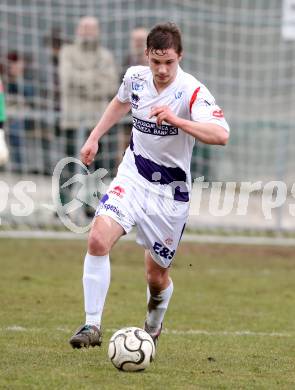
[162, 154]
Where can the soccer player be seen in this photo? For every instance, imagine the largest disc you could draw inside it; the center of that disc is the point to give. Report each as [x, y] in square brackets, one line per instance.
[170, 110]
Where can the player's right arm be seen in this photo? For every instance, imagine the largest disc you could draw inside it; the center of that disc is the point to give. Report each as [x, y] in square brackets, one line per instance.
[112, 115]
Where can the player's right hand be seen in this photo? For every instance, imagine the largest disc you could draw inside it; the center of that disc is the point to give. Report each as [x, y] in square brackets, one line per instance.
[89, 151]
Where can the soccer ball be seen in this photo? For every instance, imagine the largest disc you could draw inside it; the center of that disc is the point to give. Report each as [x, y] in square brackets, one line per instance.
[131, 349]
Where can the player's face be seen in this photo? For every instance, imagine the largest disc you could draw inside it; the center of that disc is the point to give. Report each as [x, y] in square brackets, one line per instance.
[163, 65]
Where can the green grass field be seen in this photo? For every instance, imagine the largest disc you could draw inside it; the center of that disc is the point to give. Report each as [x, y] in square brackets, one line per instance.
[230, 325]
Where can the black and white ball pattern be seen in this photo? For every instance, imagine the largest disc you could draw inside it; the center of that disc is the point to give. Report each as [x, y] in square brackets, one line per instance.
[131, 349]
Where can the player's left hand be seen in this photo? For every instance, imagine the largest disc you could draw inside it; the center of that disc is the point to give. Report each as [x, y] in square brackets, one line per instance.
[164, 113]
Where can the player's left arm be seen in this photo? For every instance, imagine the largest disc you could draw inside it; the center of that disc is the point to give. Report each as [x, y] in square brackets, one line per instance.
[206, 132]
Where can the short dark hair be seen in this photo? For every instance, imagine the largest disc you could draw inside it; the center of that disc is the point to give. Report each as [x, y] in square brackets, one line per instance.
[163, 37]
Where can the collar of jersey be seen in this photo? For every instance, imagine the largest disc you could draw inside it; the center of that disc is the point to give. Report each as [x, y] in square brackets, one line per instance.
[168, 89]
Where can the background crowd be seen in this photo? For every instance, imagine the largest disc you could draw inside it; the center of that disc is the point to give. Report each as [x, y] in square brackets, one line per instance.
[84, 77]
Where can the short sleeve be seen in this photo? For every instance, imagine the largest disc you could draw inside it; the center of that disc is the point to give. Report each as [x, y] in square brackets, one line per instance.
[203, 108]
[124, 90]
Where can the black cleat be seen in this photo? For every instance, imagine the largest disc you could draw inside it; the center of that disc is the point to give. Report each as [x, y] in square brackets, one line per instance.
[154, 334]
[86, 336]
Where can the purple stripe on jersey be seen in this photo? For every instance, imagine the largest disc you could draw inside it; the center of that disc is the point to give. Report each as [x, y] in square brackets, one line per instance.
[156, 173]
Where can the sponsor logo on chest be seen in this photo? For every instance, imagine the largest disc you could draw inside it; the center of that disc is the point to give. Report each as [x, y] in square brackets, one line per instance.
[152, 128]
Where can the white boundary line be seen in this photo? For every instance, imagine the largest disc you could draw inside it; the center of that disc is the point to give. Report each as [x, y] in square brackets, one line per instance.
[198, 238]
[193, 332]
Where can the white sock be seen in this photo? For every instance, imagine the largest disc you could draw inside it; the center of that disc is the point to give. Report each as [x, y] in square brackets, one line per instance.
[157, 306]
[96, 281]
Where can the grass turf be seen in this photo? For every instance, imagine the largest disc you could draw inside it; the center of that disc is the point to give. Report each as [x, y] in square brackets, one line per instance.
[218, 290]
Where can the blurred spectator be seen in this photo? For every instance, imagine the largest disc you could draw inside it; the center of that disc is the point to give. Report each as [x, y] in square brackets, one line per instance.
[54, 42]
[49, 98]
[3, 147]
[88, 77]
[137, 46]
[19, 98]
[88, 80]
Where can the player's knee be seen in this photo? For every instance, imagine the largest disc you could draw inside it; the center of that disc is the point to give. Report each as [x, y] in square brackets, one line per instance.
[97, 245]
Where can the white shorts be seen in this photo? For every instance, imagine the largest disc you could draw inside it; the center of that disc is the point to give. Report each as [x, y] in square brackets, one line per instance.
[160, 220]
